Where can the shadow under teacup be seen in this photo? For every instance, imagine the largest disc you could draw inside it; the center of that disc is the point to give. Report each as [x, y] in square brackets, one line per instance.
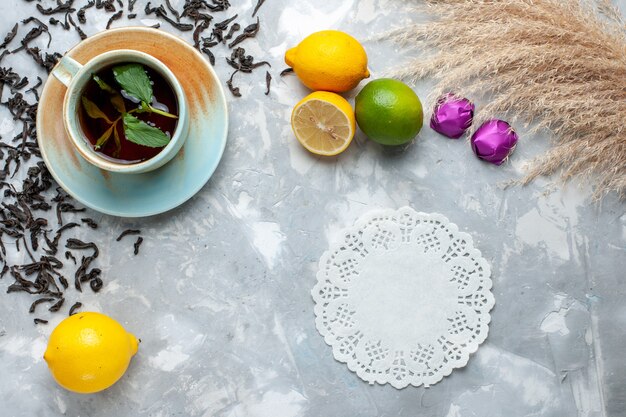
[76, 77]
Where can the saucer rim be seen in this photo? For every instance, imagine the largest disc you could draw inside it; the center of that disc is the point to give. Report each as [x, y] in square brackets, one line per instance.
[184, 196]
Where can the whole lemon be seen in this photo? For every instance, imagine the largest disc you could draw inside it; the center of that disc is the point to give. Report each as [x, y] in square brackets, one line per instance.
[329, 60]
[88, 352]
[389, 112]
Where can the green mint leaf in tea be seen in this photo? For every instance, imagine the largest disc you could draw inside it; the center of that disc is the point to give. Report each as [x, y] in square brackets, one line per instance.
[118, 102]
[105, 136]
[103, 85]
[118, 143]
[141, 133]
[93, 110]
[134, 80]
[162, 112]
[142, 128]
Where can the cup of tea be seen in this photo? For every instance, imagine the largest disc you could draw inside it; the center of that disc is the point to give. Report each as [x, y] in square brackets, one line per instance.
[124, 111]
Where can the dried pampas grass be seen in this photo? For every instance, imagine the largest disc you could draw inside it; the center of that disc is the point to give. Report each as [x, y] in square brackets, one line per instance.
[556, 64]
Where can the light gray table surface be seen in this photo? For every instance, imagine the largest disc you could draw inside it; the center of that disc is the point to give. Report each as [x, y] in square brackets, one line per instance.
[220, 293]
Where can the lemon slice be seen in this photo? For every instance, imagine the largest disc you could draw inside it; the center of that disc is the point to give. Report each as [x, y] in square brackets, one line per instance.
[324, 123]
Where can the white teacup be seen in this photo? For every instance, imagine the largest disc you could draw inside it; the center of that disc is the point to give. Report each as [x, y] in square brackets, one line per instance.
[76, 76]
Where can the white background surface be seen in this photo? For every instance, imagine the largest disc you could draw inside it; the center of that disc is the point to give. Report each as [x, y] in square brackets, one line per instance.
[219, 294]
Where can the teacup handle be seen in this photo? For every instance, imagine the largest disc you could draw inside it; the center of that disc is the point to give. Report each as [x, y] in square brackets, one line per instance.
[66, 69]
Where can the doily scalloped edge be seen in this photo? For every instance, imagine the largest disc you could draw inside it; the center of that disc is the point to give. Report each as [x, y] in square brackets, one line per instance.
[320, 278]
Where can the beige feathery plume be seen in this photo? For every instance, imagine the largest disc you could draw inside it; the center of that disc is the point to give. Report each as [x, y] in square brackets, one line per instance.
[555, 64]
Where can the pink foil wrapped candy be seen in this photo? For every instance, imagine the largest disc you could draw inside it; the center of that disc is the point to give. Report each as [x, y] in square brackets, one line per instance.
[494, 141]
[452, 116]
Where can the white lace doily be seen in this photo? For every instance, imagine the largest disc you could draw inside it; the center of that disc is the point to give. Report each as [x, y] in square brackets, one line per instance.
[404, 299]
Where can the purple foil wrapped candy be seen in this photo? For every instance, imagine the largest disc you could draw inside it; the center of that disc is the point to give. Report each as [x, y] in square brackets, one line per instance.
[452, 116]
[494, 141]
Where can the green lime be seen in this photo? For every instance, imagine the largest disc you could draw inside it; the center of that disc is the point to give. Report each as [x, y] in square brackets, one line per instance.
[389, 112]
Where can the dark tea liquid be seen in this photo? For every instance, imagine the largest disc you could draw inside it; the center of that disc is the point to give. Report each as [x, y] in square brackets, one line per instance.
[163, 99]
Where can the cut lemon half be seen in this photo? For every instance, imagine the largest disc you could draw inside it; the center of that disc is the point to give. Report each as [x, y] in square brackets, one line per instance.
[324, 123]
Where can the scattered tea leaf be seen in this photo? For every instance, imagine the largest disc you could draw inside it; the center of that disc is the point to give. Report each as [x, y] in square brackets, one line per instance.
[160, 12]
[113, 18]
[210, 55]
[134, 80]
[61, 8]
[173, 10]
[75, 307]
[257, 7]
[268, 82]
[249, 31]
[9, 37]
[234, 28]
[234, 90]
[57, 306]
[89, 222]
[69, 255]
[95, 284]
[141, 133]
[136, 245]
[196, 33]
[81, 12]
[33, 306]
[126, 233]
[224, 24]
[80, 32]
[93, 111]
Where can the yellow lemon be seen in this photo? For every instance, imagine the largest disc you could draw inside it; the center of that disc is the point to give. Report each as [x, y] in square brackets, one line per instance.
[89, 352]
[324, 123]
[329, 60]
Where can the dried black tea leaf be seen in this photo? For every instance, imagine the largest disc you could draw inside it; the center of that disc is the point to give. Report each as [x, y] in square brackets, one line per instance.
[80, 32]
[96, 284]
[126, 233]
[172, 10]
[136, 245]
[210, 55]
[75, 307]
[9, 37]
[248, 32]
[257, 7]
[81, 12]
[57, 306]
[234, 28]
[90, 222]
[33, 306]
[268, 81]
[223, 25]
[113, 18]
[196, 33]
[61, 8]
[234, 90]
[161, 13]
